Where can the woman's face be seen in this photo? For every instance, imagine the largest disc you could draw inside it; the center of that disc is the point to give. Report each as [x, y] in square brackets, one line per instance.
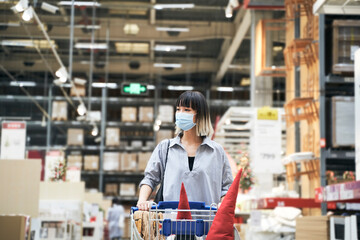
[180, 109]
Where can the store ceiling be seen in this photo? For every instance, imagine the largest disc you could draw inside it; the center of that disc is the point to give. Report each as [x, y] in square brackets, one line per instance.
[132, 30]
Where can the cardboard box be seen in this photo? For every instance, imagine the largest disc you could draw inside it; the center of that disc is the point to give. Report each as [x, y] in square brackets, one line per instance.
[146, 114]
[111, 189]
[94, 116]
[343, 121]
[13, 227]
[74, 161]
[127, 189]
[81, 90]
[312, 227]
[127, 230]
[111, 161]
[143, 159]
[136, 143]
[166, 113]
[75, 137]
[19, 187]
[128, 114]
[163, 134]
[91, 162]
[59, 111]
[112, 137]
[128, 162]
[74, 191]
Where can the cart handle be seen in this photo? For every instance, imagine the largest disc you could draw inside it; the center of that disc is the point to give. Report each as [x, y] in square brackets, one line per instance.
[175, 204]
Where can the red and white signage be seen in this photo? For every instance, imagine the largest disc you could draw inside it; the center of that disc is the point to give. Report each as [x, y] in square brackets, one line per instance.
[13, 140]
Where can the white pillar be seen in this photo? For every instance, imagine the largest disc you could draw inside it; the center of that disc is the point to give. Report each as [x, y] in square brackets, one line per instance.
[357, 113]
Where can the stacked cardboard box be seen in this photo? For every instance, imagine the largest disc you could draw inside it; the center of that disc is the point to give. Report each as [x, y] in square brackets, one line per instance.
[146, 114]
[166, 113]
[80, 89]
[312, 227]
[111, 161]
[91, 163]
[128, 114]
[59, 111]
[74, 161]
[111, 189]
[127, 189]
[13, 227]
[75, 137]
[128, 162]
[163, 134]
[112, 137]
[143, 159]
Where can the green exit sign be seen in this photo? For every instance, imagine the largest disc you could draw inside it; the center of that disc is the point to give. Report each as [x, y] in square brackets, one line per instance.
[134, 89]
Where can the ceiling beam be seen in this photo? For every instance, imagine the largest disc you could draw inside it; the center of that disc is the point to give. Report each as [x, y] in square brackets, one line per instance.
[236, 42]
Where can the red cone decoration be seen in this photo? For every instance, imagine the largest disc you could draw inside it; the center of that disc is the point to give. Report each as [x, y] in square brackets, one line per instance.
[222, 227]
[183, 204]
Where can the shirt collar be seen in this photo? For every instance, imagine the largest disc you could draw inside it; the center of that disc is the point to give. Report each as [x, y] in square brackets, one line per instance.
[207, 141]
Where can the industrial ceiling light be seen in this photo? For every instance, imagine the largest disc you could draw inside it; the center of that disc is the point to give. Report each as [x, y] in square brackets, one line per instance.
[90, 27]
[131, 29]
[168, 65]
[49, 8]
[95, 131]
[180, 88]
[22, 5]
[228, 11]
[91, 45]
[172, 29]
[234, 3]
[169, 48]
[79, 3]
[225, 89]
[22, 84]
[103, 85]
[28, 14]
[169, 6]
[81, 109]
[62, 74]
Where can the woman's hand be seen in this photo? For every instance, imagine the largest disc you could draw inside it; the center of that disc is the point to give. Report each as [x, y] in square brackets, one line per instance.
[143, 205]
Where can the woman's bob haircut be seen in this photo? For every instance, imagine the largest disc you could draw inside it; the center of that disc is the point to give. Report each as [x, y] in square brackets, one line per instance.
[197, 101]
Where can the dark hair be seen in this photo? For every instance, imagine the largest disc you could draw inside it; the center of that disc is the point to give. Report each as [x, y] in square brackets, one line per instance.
[197, 101]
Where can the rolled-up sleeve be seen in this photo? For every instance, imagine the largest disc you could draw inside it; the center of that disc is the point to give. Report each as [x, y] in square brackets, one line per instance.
[155, 167]
[227, 177]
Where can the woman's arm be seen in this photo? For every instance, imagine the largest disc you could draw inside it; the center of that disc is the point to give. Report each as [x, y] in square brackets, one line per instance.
[143, 203]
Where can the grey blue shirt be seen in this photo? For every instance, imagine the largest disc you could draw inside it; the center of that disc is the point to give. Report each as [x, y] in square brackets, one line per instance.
[208, 181]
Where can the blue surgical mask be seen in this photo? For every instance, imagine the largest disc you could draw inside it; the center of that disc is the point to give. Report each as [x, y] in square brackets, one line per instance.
[185, 121]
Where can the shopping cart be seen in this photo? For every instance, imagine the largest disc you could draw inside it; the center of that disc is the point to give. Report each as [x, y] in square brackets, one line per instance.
[160, 223]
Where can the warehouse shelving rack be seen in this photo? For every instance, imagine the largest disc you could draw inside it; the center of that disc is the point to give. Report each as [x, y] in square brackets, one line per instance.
[330, 85]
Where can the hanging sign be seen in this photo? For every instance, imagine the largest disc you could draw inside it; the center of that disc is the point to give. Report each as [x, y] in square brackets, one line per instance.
[13, 140]
[266, 149]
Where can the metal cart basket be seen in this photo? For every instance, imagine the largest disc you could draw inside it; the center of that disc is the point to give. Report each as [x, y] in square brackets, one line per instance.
[160, 223]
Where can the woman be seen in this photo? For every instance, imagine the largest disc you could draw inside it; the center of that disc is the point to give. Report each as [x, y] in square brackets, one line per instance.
[192, 158]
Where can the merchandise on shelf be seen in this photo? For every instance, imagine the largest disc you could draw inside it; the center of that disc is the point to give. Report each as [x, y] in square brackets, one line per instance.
[74, 161]
[112, 137]
[111, 161]
[163, 134]
[343, 121]
[80, 89]
[146, 114]
[59, 111]
[91, 162]
[166, 114]
[127, 189]
[128, 162]
[128, 114]
[75, 137]
[345, 42]
[143, 159]
[111, 189]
